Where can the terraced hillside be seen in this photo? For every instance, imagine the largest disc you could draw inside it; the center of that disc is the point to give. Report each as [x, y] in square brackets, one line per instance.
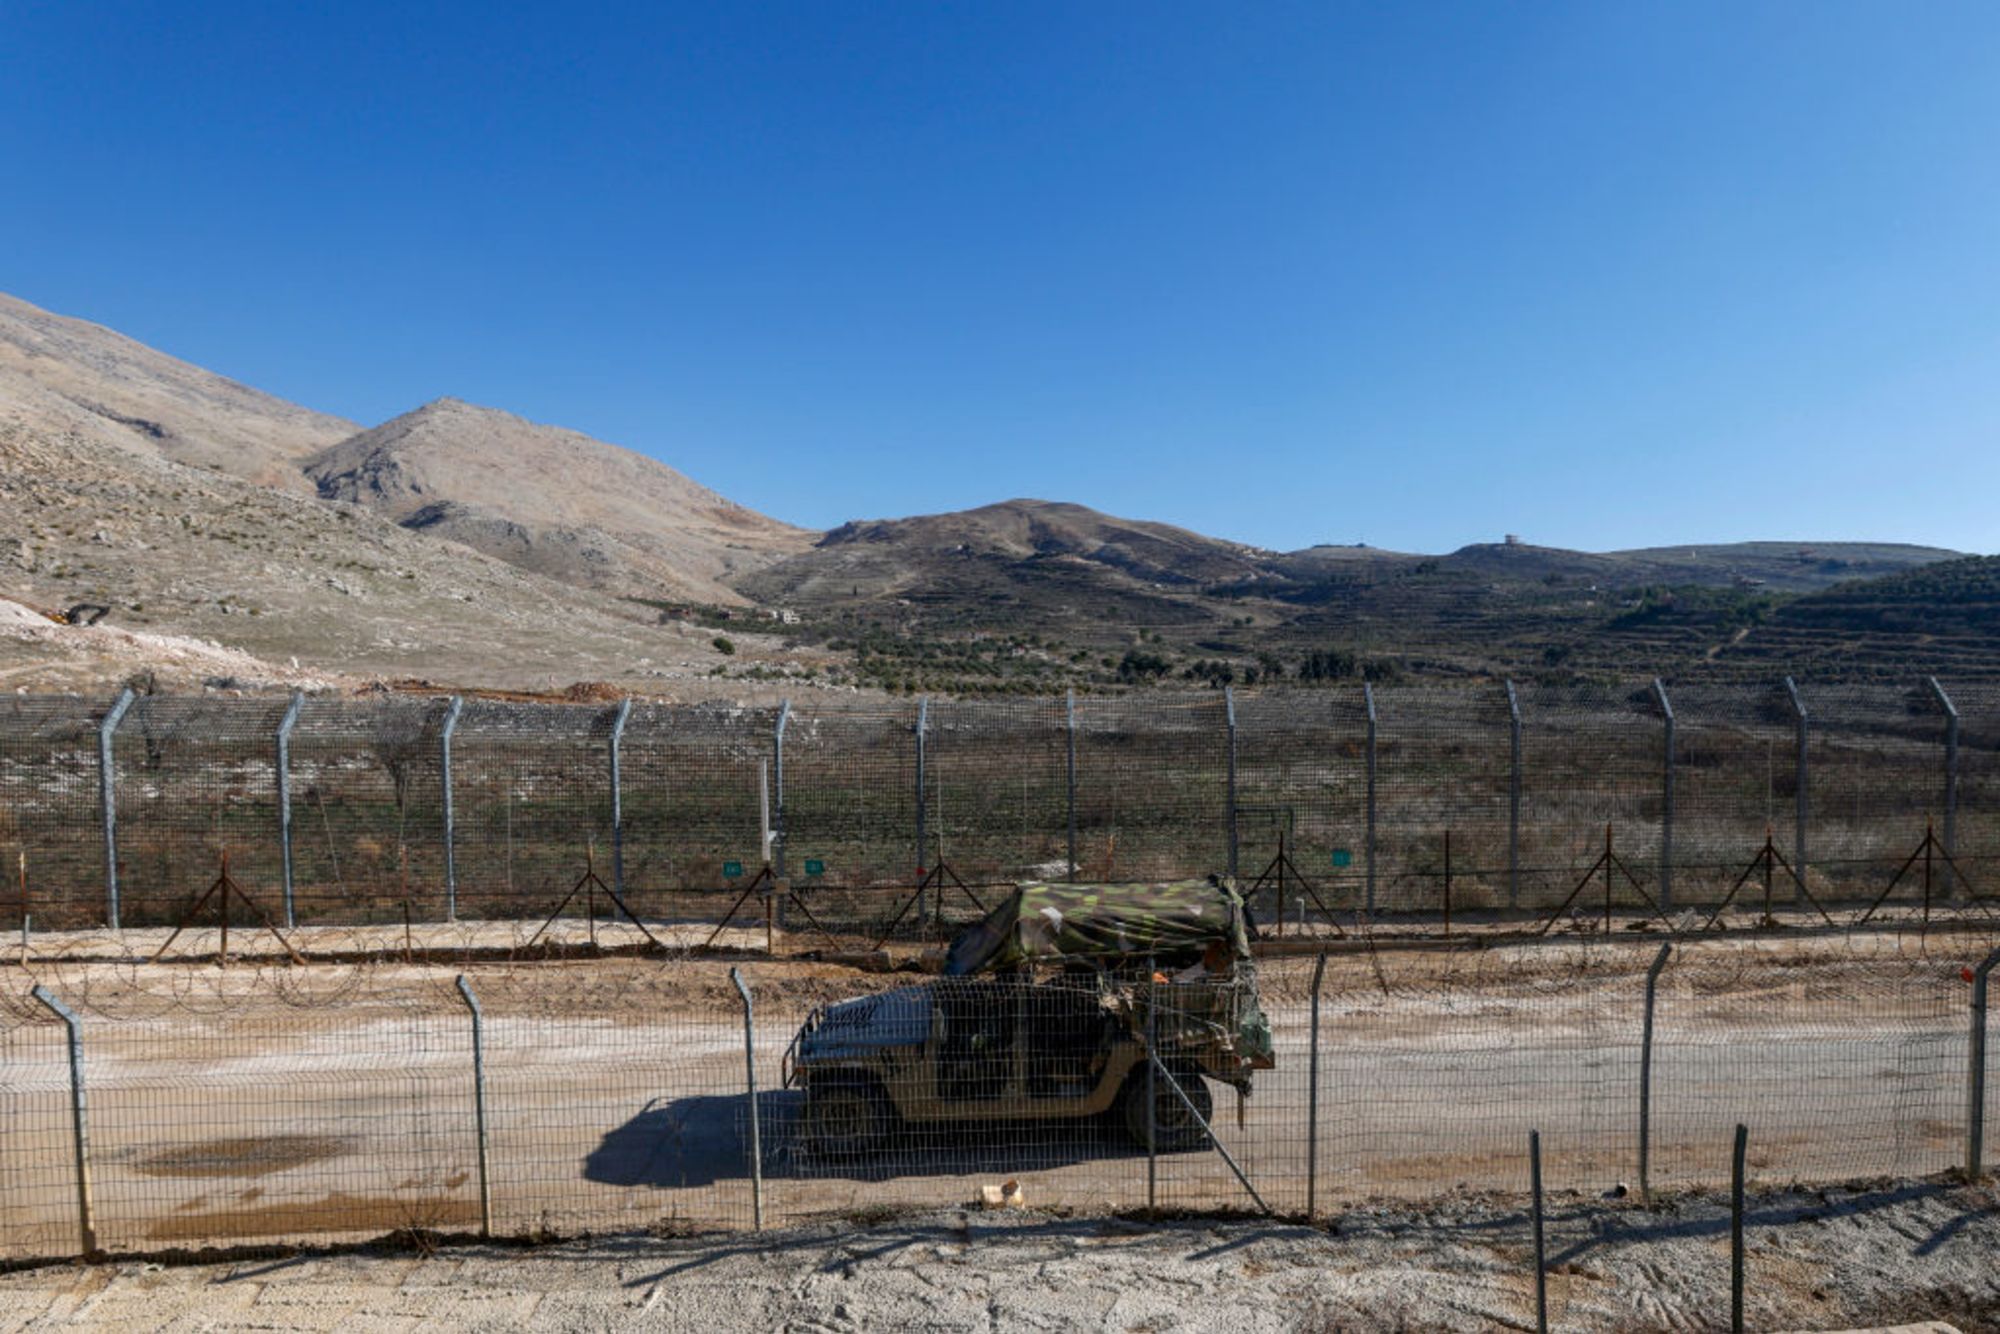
[1942, 618]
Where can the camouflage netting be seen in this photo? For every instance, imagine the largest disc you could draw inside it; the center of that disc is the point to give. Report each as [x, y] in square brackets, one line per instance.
[1171, 922]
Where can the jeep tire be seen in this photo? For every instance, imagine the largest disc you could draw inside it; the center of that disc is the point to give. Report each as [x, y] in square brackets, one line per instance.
[1177, 1129]
[845, 1118]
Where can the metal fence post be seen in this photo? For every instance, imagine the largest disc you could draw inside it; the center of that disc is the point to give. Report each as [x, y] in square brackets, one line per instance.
[1975, 1073]
[1071, 732]
[1152, 1094]
[1312, 1094]
[1736, 1229]
[479, 1103]
[79, 1120]
[617, 749]
[284, 762]
[1368, 846]
[1950, 781]
[1514, 798]
[1229, 721]
[1666, 796]
[1802, 810]
[778, 787]
[107, 789]
[450, 831]
[1646, 1075]
[750, 1083]
[1541, 1252]
[923, 852]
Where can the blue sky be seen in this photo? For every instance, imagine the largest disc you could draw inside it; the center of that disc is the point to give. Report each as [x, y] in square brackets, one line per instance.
[1603, 275]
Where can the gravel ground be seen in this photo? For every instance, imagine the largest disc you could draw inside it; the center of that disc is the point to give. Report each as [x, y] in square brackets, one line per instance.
[1869, 1255]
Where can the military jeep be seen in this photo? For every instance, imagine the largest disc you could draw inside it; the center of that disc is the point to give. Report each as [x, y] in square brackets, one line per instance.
[1045, 1012]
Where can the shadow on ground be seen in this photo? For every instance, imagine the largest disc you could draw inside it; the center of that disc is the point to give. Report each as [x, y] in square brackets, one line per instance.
[699, 1141]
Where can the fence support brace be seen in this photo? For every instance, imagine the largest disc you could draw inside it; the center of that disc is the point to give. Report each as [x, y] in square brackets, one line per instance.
[1802, 809]
[1666, 796]
[450, 830]
[617, 748]
[1368, 847]
[1950, 784]
[1070, 730]
[1513, 798]
[479, 1103]
[107, 789]
[1646, 1076]
[79, 1121]
[1312, 1094]
[1975, 1072]
[1229, 721]
[750, 1084]
[1174, 1087]
[284, 762]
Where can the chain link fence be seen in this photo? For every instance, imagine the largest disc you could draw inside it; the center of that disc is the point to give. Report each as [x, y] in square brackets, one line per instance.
[1386, 801]
[340, 1102]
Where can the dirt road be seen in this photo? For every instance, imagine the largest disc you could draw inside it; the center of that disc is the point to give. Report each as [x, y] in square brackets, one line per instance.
[330, 1102]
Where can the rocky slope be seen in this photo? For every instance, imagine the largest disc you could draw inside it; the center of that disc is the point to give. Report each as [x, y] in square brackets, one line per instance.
[306, 586]
[181, 500]
[552, 501]
[63, 377]
[1019, 558]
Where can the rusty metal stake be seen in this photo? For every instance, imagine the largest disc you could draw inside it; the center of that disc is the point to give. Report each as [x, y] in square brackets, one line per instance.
[1447, 884]
[1736, 1230]
[1541, 1254]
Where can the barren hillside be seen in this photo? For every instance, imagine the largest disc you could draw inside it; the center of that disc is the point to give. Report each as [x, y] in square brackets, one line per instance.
[63, 377]
[553, 501]
[311, 588]
[1031, 552]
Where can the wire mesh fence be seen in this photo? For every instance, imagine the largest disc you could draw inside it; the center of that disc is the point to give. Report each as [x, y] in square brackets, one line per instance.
[338, 1102]
[1387, 802]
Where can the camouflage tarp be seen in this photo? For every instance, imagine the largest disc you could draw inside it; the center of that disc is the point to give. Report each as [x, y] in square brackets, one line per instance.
[1173, 922]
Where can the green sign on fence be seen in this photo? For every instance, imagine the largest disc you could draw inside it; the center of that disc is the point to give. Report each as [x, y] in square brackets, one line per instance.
[814, 866]
[1342, 857]
[731, 870]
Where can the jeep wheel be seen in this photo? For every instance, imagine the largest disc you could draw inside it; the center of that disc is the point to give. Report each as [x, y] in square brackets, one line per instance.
[845, 1119]
[1177, 1128]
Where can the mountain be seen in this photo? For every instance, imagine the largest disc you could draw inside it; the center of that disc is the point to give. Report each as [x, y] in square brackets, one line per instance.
[1019, 561]
[238, 537]
[177, 499]
[1789, 566]
[552, 501]
[63, 377]
[1014, 592]
[193, 561]
[1024, 556]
